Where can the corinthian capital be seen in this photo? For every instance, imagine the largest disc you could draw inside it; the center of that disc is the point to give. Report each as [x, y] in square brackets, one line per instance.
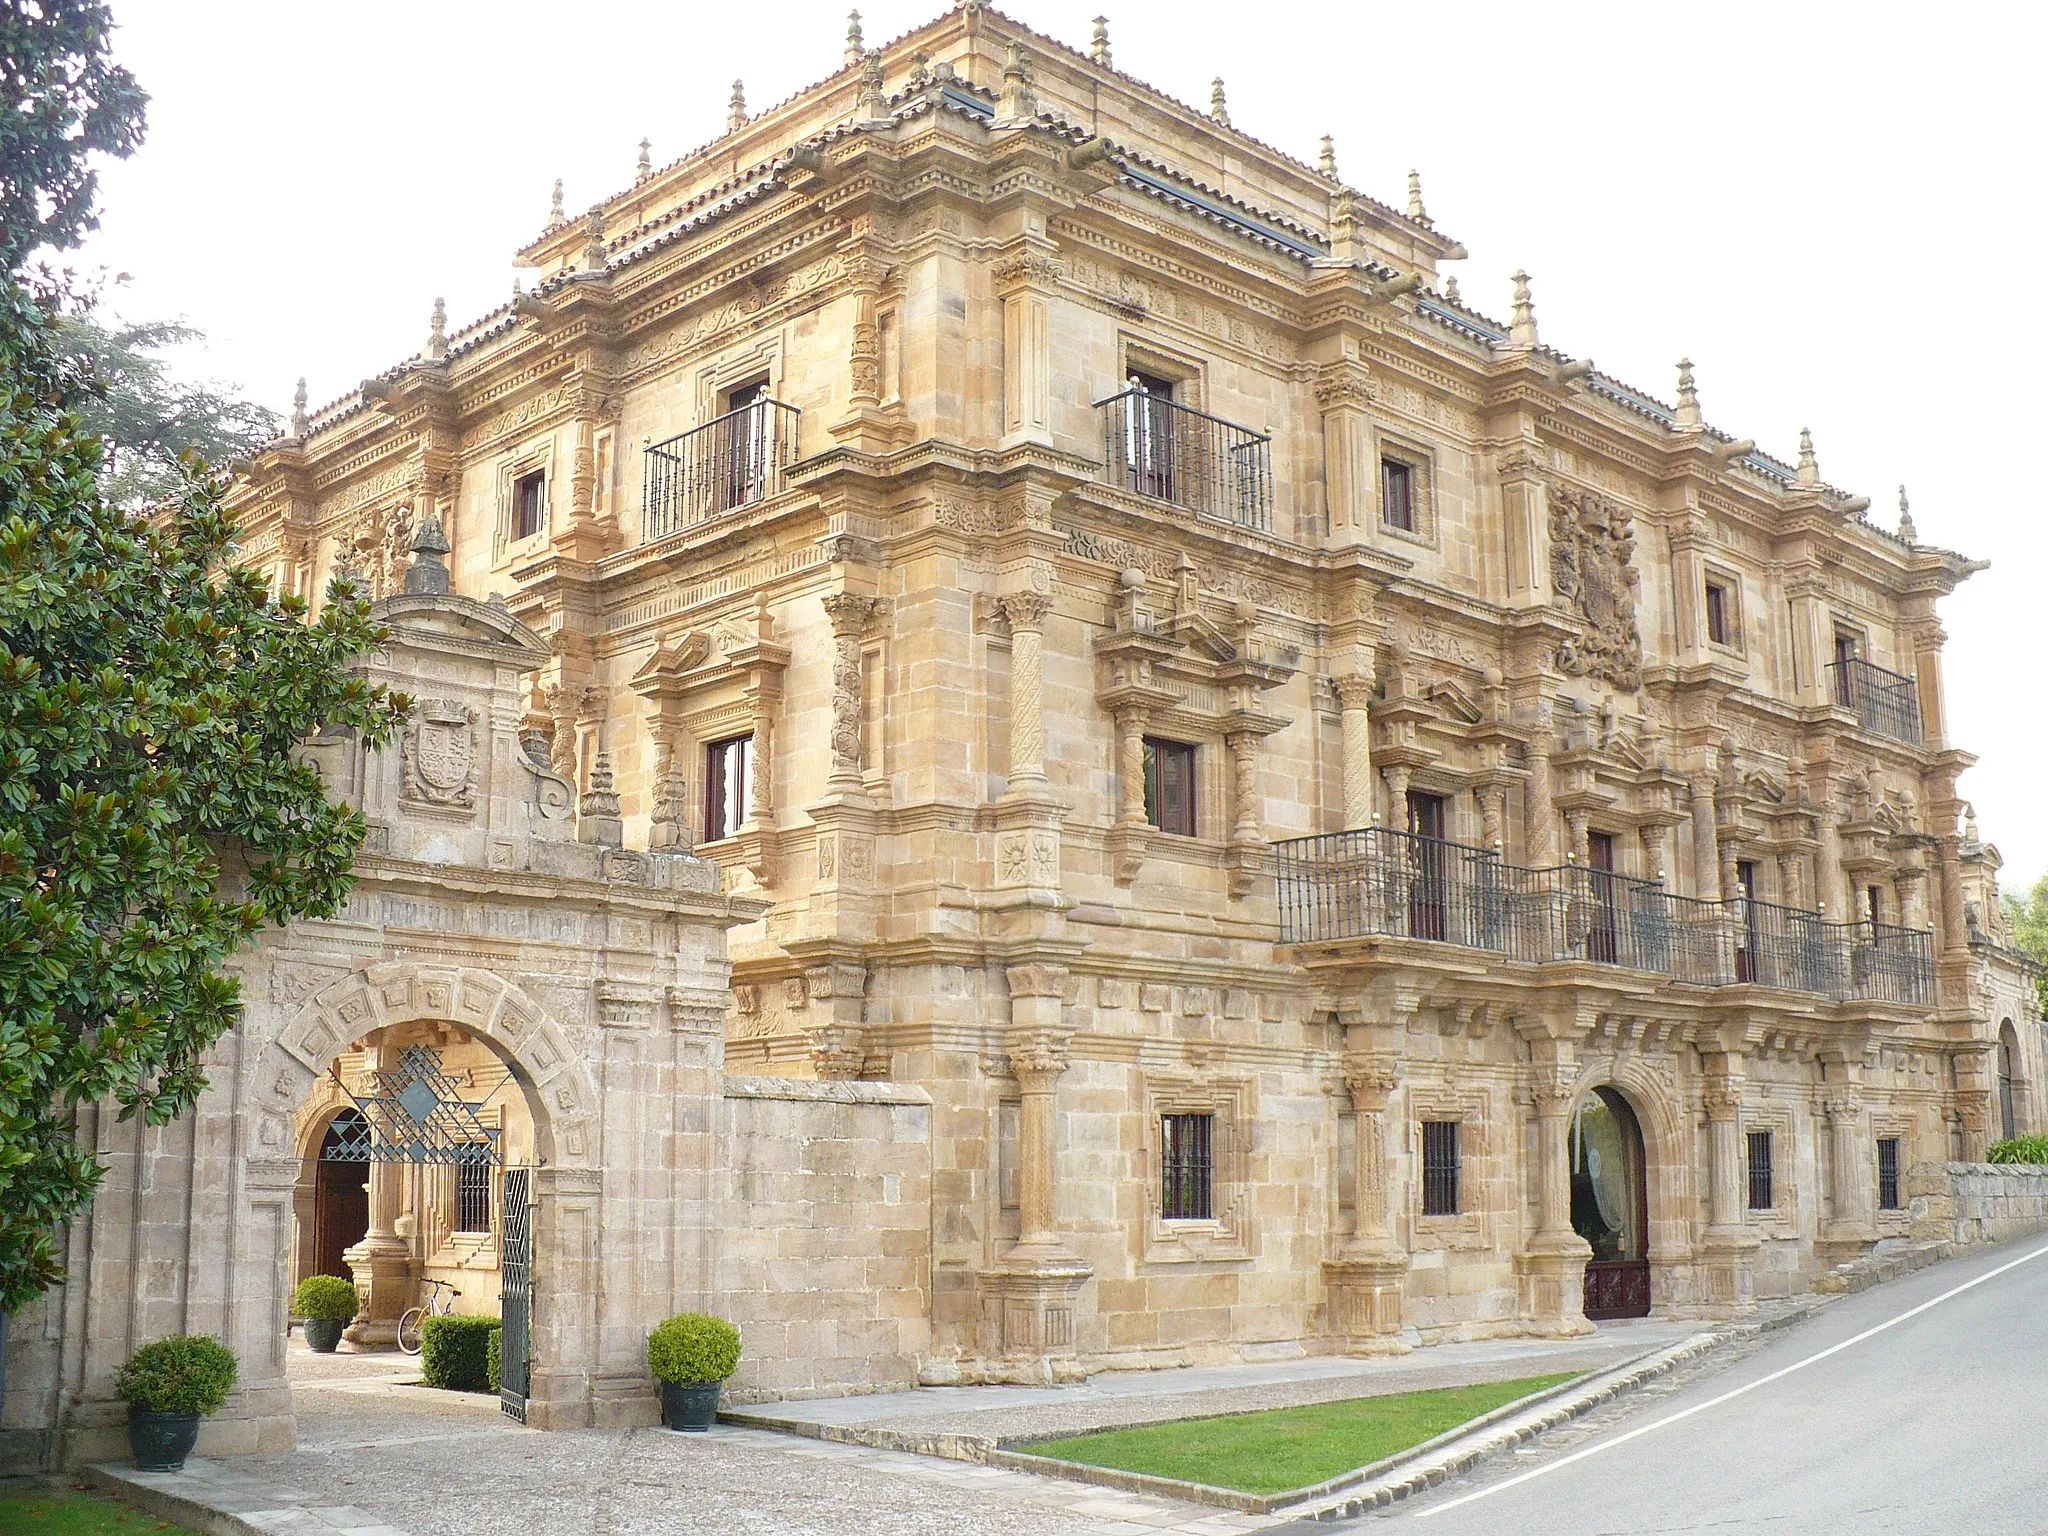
[1025, 610]
[850, 612]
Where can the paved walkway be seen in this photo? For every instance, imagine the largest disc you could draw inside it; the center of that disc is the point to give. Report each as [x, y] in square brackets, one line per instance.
[377, 1457]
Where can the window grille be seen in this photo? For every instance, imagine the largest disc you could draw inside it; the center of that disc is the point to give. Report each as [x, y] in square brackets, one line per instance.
[1439, 1167]
[1760, 1171]
[1888, 1173]
[472, 1197]
[1170, 786]
[1187, 1167]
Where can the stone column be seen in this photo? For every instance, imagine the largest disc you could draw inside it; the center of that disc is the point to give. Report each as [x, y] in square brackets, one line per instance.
[1350, 481]
[1706, 841]
[1849, 1229]
[1928, 639]
[1550, 1273]
[1244, 778]
[849, 614]
[1955, 939]
[1130, 735]
[1656, 853]
[1493, 816]
[381, 1264]
[1575, 821]
[1026, 613]
[1354, 695]
[1539, 818]
[1396, 775]
[1812, 639]
[1364, 1281]
[1728, 1249]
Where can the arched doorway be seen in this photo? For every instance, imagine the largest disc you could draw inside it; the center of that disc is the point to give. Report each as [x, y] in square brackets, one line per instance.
[2008, 1072]
[341, 1199]
[1610, 1205]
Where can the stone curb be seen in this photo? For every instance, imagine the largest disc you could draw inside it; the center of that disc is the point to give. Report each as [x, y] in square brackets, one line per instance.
[193, 1498]
[1876, 1268]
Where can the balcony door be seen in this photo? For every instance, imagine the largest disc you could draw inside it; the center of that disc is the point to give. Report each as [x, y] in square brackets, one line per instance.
[741, 448]
[1149, 437]
[1748, 923]
[1429, 894]
[1602, 938]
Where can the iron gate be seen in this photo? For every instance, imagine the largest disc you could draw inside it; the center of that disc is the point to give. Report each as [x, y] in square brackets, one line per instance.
[515, 1292]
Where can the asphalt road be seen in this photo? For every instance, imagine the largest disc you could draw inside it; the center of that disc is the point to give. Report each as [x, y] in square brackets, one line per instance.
[1933, 1423]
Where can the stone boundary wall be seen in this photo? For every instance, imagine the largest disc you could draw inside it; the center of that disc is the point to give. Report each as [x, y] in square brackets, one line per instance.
[823, 1253]
[1973, 1205]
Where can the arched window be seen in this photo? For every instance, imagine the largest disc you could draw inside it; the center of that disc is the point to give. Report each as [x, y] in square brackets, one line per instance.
[2006, 1066]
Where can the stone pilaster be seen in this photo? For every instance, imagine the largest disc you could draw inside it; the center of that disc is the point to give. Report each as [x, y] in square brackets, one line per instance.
[1550, 1273]
[1728, 1250]
[1364, 1281]
[1849, 1229]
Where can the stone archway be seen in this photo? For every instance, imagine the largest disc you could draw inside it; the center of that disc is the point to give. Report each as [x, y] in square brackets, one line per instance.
[1655, 1231]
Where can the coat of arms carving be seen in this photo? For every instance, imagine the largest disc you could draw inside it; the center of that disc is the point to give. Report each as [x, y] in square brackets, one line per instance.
[1592, 543]
[441, 754]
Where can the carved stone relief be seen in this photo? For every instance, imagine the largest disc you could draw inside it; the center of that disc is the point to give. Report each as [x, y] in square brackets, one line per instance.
[1592, 542]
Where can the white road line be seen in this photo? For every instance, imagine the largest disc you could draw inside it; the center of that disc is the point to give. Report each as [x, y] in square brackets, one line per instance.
[1715, 1402]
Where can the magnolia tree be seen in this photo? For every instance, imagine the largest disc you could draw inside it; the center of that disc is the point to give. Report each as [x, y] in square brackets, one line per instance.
[153, 816]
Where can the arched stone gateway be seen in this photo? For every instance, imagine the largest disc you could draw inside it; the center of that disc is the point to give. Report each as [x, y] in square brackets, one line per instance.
[1610, 1204]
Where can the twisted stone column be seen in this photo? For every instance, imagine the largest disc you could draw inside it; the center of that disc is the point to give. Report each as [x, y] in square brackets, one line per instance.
[1353, 697]
[1539, 818]
[1244, 774]
[1026, 613]
[1706, 841]
[1130, 730]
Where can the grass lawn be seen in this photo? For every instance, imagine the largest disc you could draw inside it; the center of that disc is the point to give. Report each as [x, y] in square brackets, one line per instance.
[74, 1512]
[1281, 1448]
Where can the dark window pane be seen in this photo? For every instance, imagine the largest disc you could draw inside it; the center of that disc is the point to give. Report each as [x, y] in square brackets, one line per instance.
[728, 786]
[1439, 1167]
[1888, 1173]
[472, 1197]
[1717, 613]
[1397, 495]
[1760, 1171]
[529, 504]
[1170, 786]
[1187, 1167]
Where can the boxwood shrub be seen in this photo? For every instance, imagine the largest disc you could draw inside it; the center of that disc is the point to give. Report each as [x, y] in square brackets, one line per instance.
[453, 1352]
[693, 1348]
[185, 1373]
[2019, 1149]
[494, 1359]
[328, 1297]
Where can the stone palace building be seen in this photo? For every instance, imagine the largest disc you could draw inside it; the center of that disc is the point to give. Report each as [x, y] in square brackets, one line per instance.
[1341, 825]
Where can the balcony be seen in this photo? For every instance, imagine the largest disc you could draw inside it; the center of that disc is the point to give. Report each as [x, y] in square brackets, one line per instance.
[728, 463]
[1379, 882]
[1884, 703]
[1177, 454]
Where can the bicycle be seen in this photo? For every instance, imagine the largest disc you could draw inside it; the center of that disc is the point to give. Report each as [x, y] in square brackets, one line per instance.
[437, 1305]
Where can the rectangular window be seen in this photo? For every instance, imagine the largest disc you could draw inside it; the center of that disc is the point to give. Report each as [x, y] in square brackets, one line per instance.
[1719, 630]
[1439, 1167]
[1170, 786]
[1187, 1167]
[728, 786]
[1397, 495]
[529, 504]
[472, 1197]
[1760, 1171]
[1888, 1173]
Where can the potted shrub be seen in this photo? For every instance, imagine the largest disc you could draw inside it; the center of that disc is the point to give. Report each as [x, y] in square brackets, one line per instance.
[691, 1355]
[455, 1351]
[168, 1385]
[328, 1304]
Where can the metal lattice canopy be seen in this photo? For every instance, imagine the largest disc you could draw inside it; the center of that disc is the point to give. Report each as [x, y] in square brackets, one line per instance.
[416, 1115]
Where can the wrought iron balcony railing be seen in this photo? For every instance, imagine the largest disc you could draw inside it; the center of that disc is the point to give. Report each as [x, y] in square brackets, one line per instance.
[1884, 703]
[1381, 882]
[1192, 459]
[728, 463]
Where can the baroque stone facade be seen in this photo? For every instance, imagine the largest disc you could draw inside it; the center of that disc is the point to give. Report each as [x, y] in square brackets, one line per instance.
[1207, 708]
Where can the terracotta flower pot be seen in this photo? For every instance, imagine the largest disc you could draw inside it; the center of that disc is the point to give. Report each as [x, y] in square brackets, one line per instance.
[160, 1442]
[690, 1406]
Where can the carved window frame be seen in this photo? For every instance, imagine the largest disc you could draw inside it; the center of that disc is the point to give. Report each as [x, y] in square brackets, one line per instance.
[1187, 373]
[1898, 1221]
[1733, 613]
[1228, 1234]
[1420, 459]
[761, 360]
[1781, 1222]
[537, 457]
[1479, 1143]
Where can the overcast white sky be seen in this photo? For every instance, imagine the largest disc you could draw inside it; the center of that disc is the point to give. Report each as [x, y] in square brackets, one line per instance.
[1835, 210]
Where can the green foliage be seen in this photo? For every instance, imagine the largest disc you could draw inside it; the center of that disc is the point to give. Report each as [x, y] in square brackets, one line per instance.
[62, 100]
[2027, 916]
[2019, 1149]
[454, 1351]
[27, 1506]
[494, 1360]
[186, 1373]
[147, 420]
[326, 1296]
[153, 818]
[692, 1348]
[1283, 1448]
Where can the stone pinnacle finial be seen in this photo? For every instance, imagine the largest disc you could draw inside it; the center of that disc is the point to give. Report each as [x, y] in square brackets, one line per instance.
[1326, 161]
[1098, 50]
[1451, 290]
[428, 571]
[1809, 466]
[920, 71]
[1688, 412]
[1522, 330]
[556, 218]
[736, 109]
[1019, 101]
[302, 424]
[874, 98]
[1415, 208]
[1906, 529]
[1218, 108]
[644, 167]
[856, 49]
[437, 338]
[593, 242]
